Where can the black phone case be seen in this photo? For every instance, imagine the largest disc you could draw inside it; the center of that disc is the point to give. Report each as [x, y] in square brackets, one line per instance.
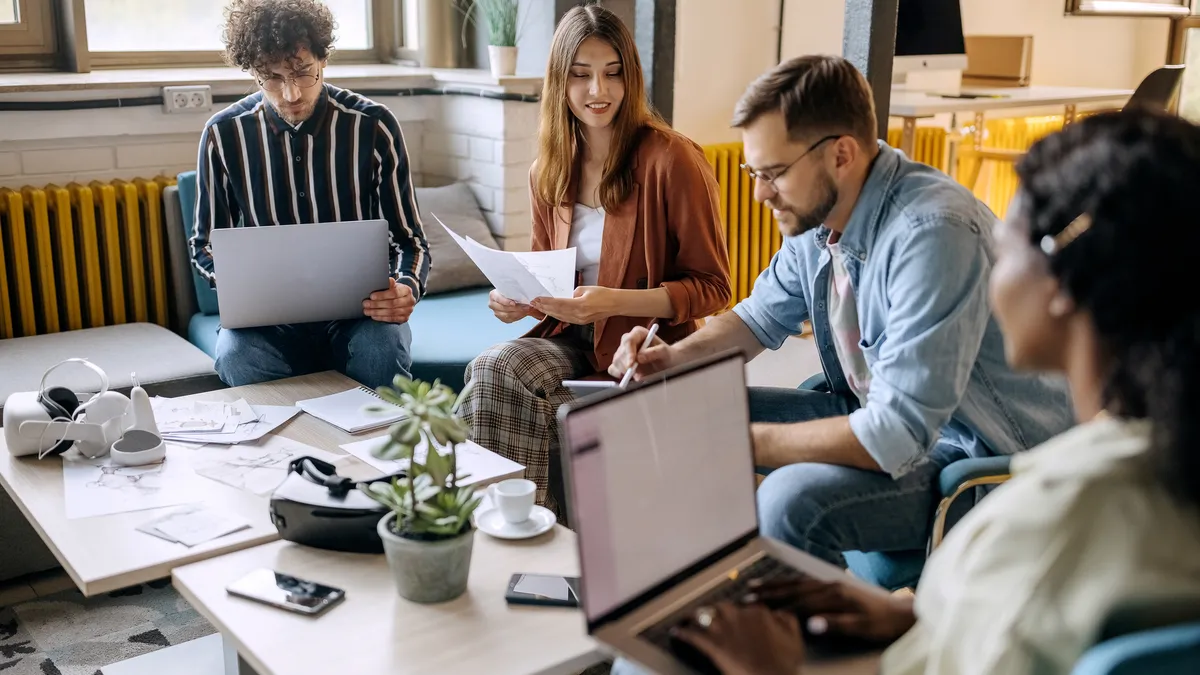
[522, 599]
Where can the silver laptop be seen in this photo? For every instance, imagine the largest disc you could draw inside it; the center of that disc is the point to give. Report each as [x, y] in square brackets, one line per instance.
[660, 490]
[281, 274]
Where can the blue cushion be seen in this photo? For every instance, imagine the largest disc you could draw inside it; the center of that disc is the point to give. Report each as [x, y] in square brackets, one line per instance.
[205, 295]
[450, 329]
[1174, 650]
[202, 332]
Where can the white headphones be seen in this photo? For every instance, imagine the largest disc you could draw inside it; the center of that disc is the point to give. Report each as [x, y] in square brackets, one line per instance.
[32, 416]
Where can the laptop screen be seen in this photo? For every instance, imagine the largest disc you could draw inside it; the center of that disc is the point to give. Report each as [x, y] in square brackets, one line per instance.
[661, 477]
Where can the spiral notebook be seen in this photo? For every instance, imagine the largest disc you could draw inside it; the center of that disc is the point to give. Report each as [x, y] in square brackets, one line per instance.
[347, 410]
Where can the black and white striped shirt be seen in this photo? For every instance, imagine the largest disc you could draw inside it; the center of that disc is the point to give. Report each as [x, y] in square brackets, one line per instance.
[345, 162]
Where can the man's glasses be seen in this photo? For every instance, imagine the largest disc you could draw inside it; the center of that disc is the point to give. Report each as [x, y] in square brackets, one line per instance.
[770, 180]
[275, 83]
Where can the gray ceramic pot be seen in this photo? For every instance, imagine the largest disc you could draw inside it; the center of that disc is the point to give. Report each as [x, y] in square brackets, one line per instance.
[427, 571]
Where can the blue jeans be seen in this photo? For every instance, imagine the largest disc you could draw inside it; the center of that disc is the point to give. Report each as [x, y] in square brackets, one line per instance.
[825, 509]
[367, 351]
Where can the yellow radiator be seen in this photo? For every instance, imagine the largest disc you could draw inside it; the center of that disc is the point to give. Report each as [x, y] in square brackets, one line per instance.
[998, 185]
[929, 145]
[82, 256]
[750, 230]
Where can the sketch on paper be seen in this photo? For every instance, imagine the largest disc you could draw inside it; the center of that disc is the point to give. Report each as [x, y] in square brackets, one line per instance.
[97, 487]
[141, 480]
[255, 467]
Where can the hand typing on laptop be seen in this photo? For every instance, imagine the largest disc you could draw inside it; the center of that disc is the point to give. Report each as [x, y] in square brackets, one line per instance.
[393, 305]
[747, 639]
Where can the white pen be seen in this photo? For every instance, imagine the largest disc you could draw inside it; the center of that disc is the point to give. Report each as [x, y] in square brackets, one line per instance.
[633, 366]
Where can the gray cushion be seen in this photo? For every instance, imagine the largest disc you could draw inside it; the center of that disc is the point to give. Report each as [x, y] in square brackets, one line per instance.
[165, 363]
[451, 269]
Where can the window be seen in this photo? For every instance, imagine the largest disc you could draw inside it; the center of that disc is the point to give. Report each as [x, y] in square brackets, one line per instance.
[1185, 48]
[147, 33]
[184, 32]
[26, 28]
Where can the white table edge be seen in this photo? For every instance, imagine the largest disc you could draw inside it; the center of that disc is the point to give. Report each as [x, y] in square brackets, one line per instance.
[227, 635]
[37, 527]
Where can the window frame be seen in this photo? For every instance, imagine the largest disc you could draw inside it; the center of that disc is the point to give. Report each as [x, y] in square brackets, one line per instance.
[381, 37]
[61, 29]
[33, 34]
[1177, 42]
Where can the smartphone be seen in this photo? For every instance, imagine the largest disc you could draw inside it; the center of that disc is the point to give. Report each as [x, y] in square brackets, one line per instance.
[545, 590]
[286, 592]
[582, 388]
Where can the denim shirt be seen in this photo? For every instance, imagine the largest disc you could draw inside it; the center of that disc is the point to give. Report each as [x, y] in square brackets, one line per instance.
[918, 251]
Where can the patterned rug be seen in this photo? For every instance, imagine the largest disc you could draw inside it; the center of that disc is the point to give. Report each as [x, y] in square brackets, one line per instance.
[68, 634]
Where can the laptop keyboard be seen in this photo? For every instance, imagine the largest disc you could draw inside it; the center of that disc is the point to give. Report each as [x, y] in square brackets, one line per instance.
[766, 568]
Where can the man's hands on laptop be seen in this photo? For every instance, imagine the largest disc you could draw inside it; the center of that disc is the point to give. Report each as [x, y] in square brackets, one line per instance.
[658, 357]
[394, 305]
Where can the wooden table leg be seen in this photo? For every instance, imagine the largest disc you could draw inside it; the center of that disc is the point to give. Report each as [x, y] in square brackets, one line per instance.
[908, 136]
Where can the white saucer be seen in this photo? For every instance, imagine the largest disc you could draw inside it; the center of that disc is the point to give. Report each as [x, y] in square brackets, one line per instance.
[541, 520]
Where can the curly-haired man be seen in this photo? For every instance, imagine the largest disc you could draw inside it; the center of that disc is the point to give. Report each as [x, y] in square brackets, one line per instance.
[303, 151]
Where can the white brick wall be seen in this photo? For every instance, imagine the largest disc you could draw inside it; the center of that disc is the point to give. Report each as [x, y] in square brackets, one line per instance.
[486, 143]
[490, 145]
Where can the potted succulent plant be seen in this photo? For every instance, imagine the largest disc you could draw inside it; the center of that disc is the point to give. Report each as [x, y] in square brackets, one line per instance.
[427, 535]
[501, 19]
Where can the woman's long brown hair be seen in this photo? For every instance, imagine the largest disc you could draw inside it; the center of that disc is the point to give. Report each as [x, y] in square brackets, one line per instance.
[560, 135]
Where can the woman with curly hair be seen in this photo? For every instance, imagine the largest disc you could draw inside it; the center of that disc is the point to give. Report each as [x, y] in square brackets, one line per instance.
[300, 151]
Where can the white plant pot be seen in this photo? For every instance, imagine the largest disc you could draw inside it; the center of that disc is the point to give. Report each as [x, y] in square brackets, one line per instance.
[503, 60]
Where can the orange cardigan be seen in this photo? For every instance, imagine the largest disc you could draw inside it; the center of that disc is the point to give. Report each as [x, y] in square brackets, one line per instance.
[667, 233]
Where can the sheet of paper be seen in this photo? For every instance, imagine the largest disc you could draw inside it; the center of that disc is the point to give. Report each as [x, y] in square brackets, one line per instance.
[193, 525]
[270, 418]
[257, 467]
[97, 487]
[522, 276]
[178, 416]
[475, 463]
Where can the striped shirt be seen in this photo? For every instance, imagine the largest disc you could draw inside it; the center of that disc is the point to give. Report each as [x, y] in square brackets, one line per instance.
[345, 162]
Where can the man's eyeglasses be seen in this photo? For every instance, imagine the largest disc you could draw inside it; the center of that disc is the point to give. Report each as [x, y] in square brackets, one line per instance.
[770, 180]
[275, 83]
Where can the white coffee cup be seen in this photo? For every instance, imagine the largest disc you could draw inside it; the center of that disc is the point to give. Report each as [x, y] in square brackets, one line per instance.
[514, 498]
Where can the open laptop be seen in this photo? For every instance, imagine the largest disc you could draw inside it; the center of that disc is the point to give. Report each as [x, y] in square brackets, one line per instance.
[660, 489]
[281, 274]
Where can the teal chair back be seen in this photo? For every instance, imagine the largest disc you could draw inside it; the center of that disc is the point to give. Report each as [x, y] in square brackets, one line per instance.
[206, 296]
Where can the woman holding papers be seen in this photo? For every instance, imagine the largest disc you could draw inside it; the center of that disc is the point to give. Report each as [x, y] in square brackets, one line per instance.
[1103, 516]
[638, 204]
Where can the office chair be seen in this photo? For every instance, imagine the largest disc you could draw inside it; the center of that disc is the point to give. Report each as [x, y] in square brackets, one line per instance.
[1148, 637]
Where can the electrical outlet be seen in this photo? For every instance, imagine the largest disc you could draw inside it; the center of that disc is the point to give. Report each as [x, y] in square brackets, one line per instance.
[194, 98]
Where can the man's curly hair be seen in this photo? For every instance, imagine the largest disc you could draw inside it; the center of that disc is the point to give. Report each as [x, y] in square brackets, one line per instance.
[261, 33]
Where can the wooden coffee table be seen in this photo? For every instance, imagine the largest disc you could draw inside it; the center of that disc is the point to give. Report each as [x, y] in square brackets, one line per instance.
[106, 553]
[376, 631]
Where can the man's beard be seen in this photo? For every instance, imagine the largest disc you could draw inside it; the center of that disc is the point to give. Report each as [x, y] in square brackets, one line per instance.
[814, 217]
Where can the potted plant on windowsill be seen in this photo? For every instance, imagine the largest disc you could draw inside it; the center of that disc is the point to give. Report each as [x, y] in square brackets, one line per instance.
[501, 19]
[428, 534]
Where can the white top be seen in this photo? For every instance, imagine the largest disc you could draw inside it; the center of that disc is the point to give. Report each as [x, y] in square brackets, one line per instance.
[1022, 584]
[587, 233]
[843, 321]
[911, 103]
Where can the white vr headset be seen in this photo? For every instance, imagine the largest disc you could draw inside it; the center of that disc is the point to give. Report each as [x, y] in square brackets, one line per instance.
[50, 420]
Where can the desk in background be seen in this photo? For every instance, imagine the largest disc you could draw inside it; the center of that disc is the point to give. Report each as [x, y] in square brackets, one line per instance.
[913, 105]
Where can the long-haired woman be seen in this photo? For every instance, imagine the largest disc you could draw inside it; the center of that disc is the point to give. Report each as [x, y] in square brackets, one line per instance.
[638, 203]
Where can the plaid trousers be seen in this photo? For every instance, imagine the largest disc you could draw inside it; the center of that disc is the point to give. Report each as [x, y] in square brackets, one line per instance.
[517, 392]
